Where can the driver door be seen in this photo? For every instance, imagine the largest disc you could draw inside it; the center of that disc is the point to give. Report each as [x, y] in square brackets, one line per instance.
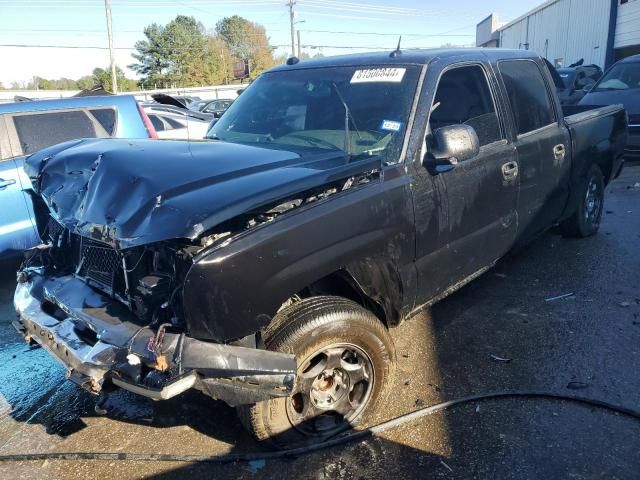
[480, 194]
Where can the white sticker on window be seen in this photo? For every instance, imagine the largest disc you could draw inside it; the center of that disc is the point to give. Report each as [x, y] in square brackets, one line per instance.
[393, 75]
[390, 126]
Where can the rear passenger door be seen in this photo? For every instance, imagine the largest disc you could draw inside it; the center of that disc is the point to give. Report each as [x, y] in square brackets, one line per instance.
[542, 143]
[480, 194]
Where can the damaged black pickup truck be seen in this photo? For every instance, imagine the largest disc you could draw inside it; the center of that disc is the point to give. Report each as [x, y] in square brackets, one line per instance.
[336, 197]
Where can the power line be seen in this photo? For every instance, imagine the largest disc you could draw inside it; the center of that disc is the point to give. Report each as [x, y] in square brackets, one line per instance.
[35, 31]
[420, 35]
[95, 47]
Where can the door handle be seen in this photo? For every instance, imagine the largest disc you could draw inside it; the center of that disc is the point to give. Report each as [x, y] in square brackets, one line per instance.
[510, 170]
[5, 183]
[559, 152]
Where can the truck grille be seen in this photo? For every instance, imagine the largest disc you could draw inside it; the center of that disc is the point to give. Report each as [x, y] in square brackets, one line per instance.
[100, 263]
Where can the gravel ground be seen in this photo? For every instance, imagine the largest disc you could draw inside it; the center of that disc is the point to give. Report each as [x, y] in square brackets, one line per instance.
[586, 344]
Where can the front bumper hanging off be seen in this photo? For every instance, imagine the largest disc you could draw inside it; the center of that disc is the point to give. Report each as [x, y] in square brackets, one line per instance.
[96, 340]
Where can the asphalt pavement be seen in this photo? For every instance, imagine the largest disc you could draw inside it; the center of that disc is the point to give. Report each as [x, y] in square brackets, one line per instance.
[497, 334]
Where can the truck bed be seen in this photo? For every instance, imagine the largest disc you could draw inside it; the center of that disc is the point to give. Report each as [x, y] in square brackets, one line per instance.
[579, 113]
[598, 135]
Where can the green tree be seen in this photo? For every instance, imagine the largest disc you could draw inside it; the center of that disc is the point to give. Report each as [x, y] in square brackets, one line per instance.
[218, 61]
[247, 41]
[102, 77]
[85, 83]
[173, 54]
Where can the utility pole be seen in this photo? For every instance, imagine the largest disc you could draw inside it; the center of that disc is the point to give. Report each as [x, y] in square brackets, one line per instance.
[291, 21]
[298, 32]
[114, 81]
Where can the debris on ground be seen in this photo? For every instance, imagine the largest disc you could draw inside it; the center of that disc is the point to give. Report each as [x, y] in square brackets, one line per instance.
[477, 408]
[419, 403]
[501, 275]
[442, 462]
[406, 355]
[435, 387]
[625, 304]
[499, 359]
[256, 465]
[635, 186]
[559, 297]
[577, 385]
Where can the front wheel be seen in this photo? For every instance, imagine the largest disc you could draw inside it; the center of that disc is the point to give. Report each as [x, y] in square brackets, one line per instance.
[585, 221]
[345, 358]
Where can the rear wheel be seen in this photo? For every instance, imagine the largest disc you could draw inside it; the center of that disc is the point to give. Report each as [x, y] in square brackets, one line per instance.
[345, 358]
[586, 219]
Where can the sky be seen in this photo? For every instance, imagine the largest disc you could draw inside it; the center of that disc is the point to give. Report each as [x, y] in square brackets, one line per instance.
[32, 32]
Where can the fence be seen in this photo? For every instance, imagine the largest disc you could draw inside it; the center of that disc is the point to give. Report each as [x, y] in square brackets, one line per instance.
[206, 93]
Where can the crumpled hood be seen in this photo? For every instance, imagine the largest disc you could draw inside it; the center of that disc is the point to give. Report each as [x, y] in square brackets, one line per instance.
[131, 193]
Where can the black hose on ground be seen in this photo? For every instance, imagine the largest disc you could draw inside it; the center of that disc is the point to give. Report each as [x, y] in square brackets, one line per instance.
[339, 440]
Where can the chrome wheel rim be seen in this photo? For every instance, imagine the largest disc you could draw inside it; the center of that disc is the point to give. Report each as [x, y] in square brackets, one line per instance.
[333, 387]
[593, 203]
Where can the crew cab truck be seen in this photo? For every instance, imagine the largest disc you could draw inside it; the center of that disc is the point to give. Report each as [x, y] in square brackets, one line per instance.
[333, 199]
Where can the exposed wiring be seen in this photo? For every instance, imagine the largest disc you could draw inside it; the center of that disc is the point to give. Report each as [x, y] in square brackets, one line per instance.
[341, 439]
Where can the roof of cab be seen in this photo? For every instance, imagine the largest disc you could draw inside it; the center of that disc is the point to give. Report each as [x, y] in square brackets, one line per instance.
[406, 57]
[71, 102]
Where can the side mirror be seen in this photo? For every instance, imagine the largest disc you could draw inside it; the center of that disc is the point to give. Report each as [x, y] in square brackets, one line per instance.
[451, 144]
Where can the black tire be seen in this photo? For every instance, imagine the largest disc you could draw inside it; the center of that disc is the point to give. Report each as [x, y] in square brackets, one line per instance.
[315, 330]
[585, 221]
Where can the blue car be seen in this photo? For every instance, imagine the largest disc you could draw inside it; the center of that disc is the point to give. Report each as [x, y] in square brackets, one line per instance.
[29, 126]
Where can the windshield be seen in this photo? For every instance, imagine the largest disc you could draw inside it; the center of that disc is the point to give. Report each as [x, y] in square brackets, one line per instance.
[359, 110]
[622, 76]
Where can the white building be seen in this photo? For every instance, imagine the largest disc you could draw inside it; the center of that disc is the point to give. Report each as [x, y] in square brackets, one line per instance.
[564, 31]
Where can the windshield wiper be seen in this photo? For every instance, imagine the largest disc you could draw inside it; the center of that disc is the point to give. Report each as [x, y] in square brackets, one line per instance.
[347, 116]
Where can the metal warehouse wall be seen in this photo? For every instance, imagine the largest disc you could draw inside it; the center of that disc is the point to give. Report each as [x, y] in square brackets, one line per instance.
[628, 24]
[565, 30]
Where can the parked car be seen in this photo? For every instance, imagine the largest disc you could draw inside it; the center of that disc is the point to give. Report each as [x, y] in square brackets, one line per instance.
[29, 126]
[177, 124]
[336, 198]
[621, 85]
[186, 100]
[216, 107]
[577, 81]
[197, 106]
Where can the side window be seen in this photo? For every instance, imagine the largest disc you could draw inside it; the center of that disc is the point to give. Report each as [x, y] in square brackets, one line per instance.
[528, 96]
[40, 130]
[463, 97]
[105, 117]
[158, 126]
[173, 123]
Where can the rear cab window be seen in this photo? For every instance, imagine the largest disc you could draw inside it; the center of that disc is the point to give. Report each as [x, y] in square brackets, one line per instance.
[37, 130]
[527, 94]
